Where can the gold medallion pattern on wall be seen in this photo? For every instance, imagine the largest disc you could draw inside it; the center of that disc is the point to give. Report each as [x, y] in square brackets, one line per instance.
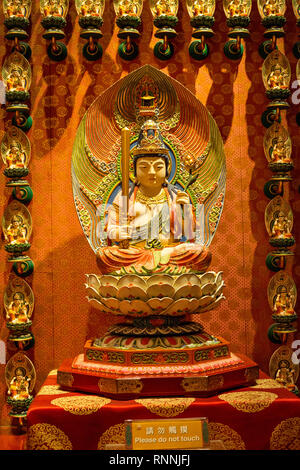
[249, 402]
[44, 436]
[113, 435]
[221, 432]
[267, 383]
[166, 407]
[84, 405]
[286, 435]
[51, 390]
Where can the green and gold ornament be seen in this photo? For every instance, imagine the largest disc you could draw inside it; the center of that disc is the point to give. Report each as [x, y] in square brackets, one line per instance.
[128, 20]
[272, 17]
[54, 14]
[237, 13]
[165, 20]
[202, 20]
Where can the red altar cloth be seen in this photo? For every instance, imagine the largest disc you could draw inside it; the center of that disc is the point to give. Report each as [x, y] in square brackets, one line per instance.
[262, 417]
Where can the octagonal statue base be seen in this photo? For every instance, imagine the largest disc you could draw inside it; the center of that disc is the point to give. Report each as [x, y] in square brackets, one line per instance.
[162, 373]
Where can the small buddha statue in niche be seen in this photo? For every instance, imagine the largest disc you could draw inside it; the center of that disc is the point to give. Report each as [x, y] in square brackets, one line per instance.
[17, 311]
[271, 8]
[15, 80]
[277, 78]
[19, 385]
[15, 156]
[200, 7]
[15, 8]
[285, 375]
[281, 227]
[165, 7]
[160, 225]
[90, 8]
[237, 8]
[280, 151]
[127, 7]
[283, 303]
[16, 231]
[53, 8]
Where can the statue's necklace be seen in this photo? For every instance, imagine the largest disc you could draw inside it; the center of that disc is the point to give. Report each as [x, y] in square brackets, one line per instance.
[148, 201]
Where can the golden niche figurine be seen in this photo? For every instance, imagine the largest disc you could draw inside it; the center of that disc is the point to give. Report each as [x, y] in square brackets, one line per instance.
[18, 309]
[20, 380]
[18, 304]
[16, 226]
[285, 375]
[279, 223]
[237, 8]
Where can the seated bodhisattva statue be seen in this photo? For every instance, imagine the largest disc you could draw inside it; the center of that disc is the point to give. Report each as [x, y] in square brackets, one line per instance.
[153, 225]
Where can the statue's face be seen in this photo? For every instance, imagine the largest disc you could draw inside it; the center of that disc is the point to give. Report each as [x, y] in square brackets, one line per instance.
[151, 171]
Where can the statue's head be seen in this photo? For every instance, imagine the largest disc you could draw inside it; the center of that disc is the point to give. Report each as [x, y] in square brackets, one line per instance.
[151, 170]
[18, 296]
[20, 372]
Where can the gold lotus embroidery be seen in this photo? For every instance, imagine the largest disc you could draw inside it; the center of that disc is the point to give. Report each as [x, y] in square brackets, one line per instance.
[51, 390]
[166, 407]
[249, 402]
[221, 432]
[113, 435]
[267, 383]
[286, 435]
[84, 405]
[44, 436]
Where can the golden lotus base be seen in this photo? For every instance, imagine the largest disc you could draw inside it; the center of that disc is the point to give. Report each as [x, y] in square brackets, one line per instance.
[124, 383]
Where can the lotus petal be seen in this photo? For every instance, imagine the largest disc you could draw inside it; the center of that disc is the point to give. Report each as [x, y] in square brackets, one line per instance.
[108, 281]
[210, 306]
[111, 303]
[206, 300]
[208, 289]
[134, 307]
[93, 281]
[182, 306]
[208, 277]
[133, 292]
[187, 280]
[160, 290]
[159, 279]
[219, 290]
[188, 292]
[130, 280]
[108, 291]
[158, 305]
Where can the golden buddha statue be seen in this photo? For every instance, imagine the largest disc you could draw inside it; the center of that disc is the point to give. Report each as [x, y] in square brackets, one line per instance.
[89, 7]
[16, 231]
[271, 7]
[15, 80]
[199, 7]
[15, 8]
[164, 7]
[17, 311]
[15, 157]
[281, 227]
[127, 7]
[237, 8]
[277, 78]
[155, 227]
[283, 303]
[280, 151]
[52, 8]
[19, 385]
[285, 375]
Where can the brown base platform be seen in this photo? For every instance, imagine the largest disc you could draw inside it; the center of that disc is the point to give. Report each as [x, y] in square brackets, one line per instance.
[239, 371]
